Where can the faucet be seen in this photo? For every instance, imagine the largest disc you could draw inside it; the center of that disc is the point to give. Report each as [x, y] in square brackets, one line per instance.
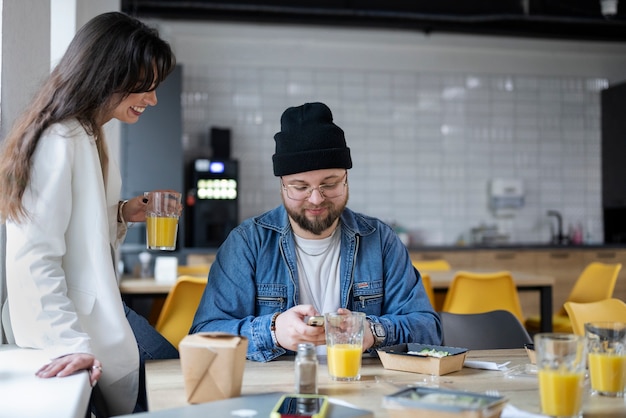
[558, 238]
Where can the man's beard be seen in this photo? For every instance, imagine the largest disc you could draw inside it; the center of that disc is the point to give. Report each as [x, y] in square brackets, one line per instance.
[318, 224]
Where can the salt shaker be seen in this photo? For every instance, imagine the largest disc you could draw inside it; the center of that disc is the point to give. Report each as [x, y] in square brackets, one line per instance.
[306, 369]
[144, 259]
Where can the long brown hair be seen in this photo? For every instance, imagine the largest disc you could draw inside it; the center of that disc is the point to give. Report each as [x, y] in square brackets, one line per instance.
[111, 56]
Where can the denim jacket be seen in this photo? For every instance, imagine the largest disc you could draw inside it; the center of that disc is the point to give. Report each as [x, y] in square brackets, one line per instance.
[255, 275]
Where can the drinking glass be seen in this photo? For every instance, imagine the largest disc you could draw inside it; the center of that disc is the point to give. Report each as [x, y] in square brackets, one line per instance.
[606, 344]
[162, 212]
[561, 365]
[344, 344]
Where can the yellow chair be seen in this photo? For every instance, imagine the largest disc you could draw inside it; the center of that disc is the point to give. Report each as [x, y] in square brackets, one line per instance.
[196, 270]
[431, 265]
[428, 286]
[180, 307]
[424, 266]
[596, 282]
[472, 292]
[199, 270]
[602, 310]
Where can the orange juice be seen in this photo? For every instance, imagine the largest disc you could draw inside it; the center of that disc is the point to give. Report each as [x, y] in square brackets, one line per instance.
[608, 372]
[344, 361]
[561, 392]
[161, 232]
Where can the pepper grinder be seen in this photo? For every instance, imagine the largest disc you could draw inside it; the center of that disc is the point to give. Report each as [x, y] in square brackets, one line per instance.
[306, 369]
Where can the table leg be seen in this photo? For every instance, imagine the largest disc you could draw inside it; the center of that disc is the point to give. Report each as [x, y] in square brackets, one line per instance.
[545, 294]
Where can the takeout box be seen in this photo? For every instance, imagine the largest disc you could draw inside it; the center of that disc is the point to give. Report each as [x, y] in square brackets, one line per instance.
[443, 403]
[212, 364]
[398, 357]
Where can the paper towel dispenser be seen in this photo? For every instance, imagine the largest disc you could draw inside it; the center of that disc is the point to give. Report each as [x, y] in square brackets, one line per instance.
[506, 196]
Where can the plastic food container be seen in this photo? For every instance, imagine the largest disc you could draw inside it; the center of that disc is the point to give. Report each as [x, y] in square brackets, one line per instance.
[443, 403]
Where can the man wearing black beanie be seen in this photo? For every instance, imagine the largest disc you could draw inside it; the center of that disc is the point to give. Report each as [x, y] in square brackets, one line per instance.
[313, 255]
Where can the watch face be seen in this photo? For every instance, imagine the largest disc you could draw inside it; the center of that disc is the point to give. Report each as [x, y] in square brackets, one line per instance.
[379, 330]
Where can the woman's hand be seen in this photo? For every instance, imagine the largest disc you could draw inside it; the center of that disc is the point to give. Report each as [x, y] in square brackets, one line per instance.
[135, 209]
[70, 364]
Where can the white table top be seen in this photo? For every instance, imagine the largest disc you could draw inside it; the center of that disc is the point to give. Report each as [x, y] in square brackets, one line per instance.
[24, 395]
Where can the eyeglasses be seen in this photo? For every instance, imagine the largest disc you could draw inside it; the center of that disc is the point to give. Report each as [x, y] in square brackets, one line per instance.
[328, 190]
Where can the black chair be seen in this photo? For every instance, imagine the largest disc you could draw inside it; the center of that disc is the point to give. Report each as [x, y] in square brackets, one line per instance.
[483, 331]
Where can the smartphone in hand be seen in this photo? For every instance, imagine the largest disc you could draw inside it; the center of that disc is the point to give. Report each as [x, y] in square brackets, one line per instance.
[314, 321]
[300, 406]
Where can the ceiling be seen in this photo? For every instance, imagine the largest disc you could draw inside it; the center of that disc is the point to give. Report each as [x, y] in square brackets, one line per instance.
[552, 19]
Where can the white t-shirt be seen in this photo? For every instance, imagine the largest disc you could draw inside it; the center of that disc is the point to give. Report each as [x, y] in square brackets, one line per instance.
[318, 272]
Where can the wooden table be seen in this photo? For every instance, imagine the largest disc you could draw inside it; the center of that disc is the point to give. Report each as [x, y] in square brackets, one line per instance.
[165, 385]
[147, 287]
[22, 394]
[525, 282]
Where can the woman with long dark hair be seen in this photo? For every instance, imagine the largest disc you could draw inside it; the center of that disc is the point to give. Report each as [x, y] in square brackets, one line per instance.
[59, 197]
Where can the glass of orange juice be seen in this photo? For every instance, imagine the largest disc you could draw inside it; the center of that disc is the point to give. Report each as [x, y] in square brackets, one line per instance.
[606, 344]
[561, 365]
[162, 212]
[344, 344]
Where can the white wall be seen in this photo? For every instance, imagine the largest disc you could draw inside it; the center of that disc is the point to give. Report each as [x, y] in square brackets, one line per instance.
[430, 119]
[28, 47]
[25, 54]
[25, 59]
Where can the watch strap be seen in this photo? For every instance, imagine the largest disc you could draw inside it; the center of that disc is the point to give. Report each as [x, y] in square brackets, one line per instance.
[376, 327]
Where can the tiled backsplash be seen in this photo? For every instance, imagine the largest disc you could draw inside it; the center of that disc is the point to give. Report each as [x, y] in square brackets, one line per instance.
[425, 146]
[425, 143]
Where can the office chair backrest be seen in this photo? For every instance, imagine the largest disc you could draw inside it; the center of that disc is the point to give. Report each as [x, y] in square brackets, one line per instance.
[472, 292]
[483, 331]
[596, 282]
[603, 310]
[180, 307]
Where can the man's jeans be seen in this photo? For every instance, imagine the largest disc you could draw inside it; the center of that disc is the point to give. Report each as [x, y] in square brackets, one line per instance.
[152, 346]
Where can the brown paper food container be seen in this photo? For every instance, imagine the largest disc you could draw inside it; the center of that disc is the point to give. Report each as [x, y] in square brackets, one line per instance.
[212, 364]
[395, 357]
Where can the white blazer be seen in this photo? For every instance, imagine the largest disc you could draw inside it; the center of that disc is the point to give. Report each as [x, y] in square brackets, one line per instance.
[61, 283]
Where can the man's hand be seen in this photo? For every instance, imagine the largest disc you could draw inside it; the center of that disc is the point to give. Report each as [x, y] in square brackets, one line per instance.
[291, 329]
[368, 337]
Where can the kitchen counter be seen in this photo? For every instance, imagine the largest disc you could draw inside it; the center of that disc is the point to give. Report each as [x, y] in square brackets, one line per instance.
[515, 246]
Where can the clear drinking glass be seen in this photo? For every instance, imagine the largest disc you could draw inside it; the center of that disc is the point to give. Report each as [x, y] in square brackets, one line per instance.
[606, 344]
[162, 212]
[344, 344]
[561, 365]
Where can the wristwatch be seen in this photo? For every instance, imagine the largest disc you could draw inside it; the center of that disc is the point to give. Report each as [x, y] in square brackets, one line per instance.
[379, 333]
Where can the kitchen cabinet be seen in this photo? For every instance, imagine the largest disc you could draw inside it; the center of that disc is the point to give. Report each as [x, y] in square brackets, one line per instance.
[613, 123]
[456, 259]
[613, 146]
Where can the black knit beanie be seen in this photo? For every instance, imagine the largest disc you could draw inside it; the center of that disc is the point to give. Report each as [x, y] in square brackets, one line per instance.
[309, 140]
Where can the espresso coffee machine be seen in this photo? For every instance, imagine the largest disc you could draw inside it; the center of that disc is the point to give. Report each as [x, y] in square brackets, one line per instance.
[212, 202]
